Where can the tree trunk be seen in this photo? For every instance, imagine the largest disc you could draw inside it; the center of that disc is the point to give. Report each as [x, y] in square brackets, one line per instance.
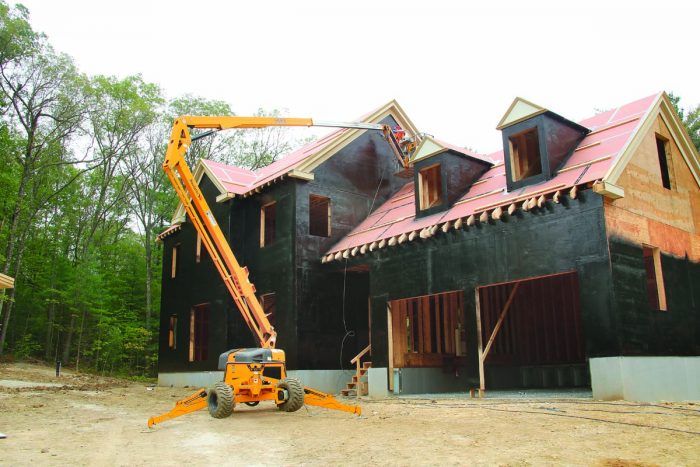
[11, 301]
[49, 329]
[11, 243]
[80, 340]
[67, 342]
[149, 278]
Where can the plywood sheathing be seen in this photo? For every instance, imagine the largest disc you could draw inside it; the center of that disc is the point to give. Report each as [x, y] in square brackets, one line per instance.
[650, 214]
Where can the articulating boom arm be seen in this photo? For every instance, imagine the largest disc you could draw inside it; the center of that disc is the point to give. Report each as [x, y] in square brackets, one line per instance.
[234, 275]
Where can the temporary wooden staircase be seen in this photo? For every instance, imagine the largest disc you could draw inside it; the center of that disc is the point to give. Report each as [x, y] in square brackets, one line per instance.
[359, 385]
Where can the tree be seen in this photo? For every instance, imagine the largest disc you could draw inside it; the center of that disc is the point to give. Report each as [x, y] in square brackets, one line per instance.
[46, 109]
[690, 118]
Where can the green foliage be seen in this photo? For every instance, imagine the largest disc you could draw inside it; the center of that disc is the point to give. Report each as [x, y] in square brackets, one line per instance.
[690, 118]
[26, 347]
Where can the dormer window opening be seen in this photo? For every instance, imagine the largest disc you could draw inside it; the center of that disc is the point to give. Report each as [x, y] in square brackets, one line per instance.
[525, 159]
[430, 186]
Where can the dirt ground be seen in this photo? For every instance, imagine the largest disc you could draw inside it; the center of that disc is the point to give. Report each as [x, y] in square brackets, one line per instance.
[87, 420]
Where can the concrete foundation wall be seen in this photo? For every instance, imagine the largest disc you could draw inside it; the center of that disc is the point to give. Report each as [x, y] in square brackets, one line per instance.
[378, 382]
[646, 379]
[427, 380]
[330, 381]
[200, 379]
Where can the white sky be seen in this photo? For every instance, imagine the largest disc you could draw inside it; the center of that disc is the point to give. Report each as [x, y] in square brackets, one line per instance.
[453, 66]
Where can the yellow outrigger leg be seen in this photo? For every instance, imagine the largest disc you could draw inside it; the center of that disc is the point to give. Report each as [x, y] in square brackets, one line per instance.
[192, 403]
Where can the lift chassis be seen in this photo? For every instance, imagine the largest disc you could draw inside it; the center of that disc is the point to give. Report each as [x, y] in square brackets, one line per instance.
[258, 374]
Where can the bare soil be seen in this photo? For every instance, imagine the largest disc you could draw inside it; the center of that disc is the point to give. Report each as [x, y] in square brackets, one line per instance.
[88, 420]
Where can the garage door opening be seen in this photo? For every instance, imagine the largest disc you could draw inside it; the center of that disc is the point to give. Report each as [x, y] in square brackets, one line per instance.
[529, 333]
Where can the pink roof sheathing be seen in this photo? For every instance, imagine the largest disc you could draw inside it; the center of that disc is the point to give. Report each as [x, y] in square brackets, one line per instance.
[610, 134]
[239, 181]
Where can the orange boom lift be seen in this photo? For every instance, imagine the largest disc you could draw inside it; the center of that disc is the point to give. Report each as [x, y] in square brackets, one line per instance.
[247, 372]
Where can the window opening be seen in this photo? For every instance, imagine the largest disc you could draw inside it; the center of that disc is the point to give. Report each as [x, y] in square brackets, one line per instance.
[430, 187]
[199, 333]
[172, 333]
[663, 162]
[267, 224]
[525, 158]
[319, 216]
[269, 306]
[173, 261]
[656, 293]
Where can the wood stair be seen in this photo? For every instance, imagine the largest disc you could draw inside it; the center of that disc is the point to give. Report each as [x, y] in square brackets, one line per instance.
[358, 385]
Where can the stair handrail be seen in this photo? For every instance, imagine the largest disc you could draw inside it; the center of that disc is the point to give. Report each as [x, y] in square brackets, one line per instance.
[361, 354]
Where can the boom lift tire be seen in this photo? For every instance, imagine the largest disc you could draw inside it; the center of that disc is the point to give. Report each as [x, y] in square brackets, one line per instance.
[220, 401]
[295, 391]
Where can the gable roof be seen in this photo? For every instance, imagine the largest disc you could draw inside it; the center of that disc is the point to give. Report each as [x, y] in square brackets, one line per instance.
[600, 157]
[520, 109]
[234, 181]
[430, 146]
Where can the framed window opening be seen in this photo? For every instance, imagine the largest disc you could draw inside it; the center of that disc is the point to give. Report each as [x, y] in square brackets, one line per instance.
[199, 333]
[268, 218]
[172, 333]
[662, 152]
[173, 261]
[319, 216]
[656, 291]
[525, 157]
[430, 187]
[268, 302]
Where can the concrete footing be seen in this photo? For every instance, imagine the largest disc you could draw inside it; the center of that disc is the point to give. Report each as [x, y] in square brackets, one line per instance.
[646, 379]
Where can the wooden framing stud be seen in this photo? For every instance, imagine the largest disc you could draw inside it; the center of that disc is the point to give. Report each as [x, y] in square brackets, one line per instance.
[556, 197]
[433, 230]
[402, 238]
[484, 217]
[540, 201]
[363, 249]
[526, 205]
[346, 254]
[425, 233]
[392, 241]
[471, 220]
[574, 192]
[381, 244]
[532, 203]
[338, 256]
[372, 246]
[458, 223]
[324, 260]
[412, 236]
[446, 227]
[354, 251]
[512, 208]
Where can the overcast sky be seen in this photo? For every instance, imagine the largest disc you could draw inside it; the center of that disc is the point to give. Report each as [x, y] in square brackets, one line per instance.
[453, 66]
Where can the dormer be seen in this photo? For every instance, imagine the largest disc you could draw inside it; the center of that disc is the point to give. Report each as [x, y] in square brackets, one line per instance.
[442, 174]
[536, 142]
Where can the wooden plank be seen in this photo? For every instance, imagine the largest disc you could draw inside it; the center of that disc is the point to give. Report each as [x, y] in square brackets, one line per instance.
[447, 329]
[390, 350]
[426, 326]
[499, 323]
[479, 340]
[438, 323]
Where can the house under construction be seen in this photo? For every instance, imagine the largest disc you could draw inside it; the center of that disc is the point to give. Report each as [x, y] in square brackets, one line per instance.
[568, 258]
